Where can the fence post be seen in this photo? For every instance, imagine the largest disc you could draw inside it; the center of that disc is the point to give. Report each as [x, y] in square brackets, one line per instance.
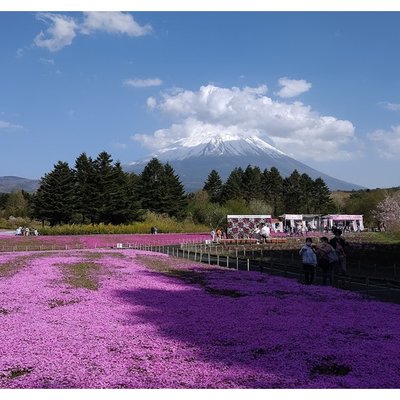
[236, 252]
[227, 261]
[218, 260]
[248, 265]
[209, 258]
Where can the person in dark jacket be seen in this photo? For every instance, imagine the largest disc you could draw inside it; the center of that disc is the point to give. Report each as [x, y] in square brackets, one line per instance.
[309, 261]
[327, 259]
[340, 245]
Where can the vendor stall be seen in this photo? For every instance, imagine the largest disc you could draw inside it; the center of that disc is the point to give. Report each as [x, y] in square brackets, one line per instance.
[245, 226]
[345, 222]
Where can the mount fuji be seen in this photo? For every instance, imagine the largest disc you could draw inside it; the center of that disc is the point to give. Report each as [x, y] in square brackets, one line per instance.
[194, 158]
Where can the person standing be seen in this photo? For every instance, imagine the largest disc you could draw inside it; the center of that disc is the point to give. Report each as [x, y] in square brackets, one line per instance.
[265, 232]
[309, 260]
[326, 258]
[339, 244]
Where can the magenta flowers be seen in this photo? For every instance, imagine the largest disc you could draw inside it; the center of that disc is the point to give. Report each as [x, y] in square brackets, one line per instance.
[151, 321]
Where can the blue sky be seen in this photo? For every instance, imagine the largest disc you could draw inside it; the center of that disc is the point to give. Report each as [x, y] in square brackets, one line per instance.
[323, 87]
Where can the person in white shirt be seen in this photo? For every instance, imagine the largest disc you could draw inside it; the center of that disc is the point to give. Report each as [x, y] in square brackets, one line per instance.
[265, 232]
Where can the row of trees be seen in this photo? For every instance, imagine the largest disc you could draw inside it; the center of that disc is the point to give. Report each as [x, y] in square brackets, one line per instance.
[99, 191]
[297, 193]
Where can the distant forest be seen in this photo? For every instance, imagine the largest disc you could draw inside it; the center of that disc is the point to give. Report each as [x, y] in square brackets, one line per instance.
[98, 191]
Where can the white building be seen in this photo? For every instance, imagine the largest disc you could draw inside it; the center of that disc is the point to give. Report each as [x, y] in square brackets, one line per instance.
[349, 222]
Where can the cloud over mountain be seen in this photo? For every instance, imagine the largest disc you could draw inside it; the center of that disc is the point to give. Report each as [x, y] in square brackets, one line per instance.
[295, 128]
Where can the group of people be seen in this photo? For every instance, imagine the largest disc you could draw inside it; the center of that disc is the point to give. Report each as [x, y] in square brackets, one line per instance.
[329, 255]
[25, 231]
[262, 233]
[217, 234]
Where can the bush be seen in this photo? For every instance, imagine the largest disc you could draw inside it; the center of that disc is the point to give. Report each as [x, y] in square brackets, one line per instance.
[164, 224]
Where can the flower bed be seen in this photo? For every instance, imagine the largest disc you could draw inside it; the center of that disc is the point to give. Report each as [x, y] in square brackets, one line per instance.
[8, 243]
[132, 319]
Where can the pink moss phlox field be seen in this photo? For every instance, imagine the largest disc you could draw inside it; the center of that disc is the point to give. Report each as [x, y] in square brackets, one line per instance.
[101, 241]
[144, 329]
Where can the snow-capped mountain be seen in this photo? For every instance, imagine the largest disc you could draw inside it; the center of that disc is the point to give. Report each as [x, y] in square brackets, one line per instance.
[194, 158]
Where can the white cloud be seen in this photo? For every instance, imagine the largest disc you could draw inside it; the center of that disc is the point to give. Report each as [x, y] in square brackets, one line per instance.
[293, 87]
[140, 83]
[294, 128]
[63, 29]
[387, 142]
[113, 22]
[9, 125]
[391, 106]
[151, 103]
[61, 32]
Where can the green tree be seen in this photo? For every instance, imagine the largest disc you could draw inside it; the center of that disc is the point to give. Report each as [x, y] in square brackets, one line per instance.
[273, 190]
[160, 190]
[150, 188]
[55, 198]
[16, 205]
[232, 189]
[321, 199]
[86, 188]
[365, 202]
[119, 208]
[213, 186]
[252, 187]
[174, 201]
[292, 192]
[307, 186]
[105, 187]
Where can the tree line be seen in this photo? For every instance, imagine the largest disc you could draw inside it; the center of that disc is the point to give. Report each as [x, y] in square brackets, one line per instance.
[97, 191]
[297, 193]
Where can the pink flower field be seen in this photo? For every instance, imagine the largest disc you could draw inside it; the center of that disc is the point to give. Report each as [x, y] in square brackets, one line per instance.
[133, 319]
[100, 241]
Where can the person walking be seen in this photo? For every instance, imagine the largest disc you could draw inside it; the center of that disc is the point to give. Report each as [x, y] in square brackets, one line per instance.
[309, 260]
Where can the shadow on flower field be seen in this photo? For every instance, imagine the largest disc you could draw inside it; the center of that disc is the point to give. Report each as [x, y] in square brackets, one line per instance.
[258, 331]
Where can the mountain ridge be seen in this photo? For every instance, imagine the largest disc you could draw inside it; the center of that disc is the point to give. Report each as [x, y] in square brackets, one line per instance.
[10, 183]
[194, 161]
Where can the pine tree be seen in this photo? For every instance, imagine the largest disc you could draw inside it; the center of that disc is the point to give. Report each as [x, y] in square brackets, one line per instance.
[150, 188]
[322, 202]
[252, 184]
[133, 195]
[119, 208]
[306, 194]
[273, 189]
[232, 189]
[292, 192]
[213, 186]
[174, 201]
[86, 187]
[55, 197]
[104, 187]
